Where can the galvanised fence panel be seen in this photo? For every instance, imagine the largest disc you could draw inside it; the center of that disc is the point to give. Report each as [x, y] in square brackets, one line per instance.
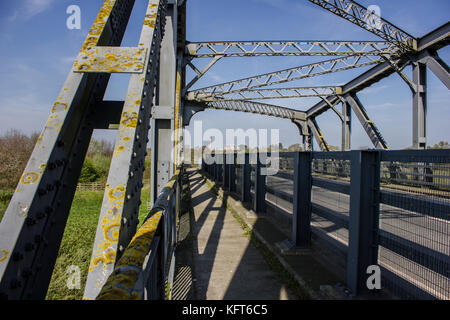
[414, 237]
[384, 208]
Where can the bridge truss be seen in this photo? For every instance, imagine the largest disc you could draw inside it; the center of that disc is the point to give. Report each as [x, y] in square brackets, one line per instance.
[160, 100]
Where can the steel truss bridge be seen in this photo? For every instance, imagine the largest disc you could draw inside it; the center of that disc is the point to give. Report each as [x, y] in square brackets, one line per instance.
[160, 99]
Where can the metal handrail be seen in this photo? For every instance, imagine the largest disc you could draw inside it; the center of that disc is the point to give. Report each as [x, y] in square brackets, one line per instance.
[140, 274]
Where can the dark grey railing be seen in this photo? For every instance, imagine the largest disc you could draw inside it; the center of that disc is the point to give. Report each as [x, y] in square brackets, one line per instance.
[385, 208]
[146, 268]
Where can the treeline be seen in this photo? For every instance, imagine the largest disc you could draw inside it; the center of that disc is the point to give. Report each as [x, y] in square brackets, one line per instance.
[16, 149]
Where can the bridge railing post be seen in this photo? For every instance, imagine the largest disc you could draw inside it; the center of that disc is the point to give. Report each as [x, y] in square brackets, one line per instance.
[301, 215]
[246, 179]
[260, 187]
[220, 166]
[364, 217]
[232, 174]
[226, 172]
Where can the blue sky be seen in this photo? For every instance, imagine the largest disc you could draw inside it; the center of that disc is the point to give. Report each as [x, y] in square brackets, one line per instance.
[37, 52]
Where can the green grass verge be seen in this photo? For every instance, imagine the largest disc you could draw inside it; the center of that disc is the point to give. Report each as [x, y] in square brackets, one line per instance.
[78, 239]
[76, 246]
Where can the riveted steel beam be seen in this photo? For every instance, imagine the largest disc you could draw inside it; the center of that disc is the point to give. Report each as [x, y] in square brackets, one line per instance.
[359, 15]
[368, 125]
[287, 75]
[120, 208]
[287, 48]
[255, 107]
[34, 223]
[317, 133]
[275, 93]
[434, 40]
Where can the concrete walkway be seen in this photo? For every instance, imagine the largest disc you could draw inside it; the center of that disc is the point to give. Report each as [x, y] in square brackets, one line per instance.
[225, 264]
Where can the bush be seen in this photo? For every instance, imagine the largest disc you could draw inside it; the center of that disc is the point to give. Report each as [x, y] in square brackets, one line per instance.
[6, 195]
[15, 150]
[89, 172]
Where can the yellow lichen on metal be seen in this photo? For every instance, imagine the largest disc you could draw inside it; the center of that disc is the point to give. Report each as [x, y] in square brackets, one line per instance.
[129, 119]
[117, 193]
[4, 255]
[122, 282]
[111, 60]
[177, 111]
[59, 106]
[29, 178]
[99, 25]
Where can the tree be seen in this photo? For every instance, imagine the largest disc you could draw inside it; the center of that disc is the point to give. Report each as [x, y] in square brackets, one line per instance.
[295, 147]
[15, 150]
[441, 145]
[89, 172]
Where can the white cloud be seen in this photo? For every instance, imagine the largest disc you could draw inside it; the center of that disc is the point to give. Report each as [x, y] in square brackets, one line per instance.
[31, 8]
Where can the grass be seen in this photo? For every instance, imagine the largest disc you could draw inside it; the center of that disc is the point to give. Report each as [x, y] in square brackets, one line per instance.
[78, 239]
[76, 246]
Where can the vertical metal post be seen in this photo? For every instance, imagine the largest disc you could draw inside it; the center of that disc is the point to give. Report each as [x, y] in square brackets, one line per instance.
[301, 215]
[232, 183]
[419, 106]
[246, 179]
[346, 126]
[226, 172]
[219, 176]
[364, 217]
[163, 113]
[260, 187]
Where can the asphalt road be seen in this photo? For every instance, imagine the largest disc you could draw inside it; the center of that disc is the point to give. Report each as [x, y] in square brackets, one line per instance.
[409, 228]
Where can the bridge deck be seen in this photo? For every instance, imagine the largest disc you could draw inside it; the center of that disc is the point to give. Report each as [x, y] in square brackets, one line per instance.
[226, 265]
[218, 261]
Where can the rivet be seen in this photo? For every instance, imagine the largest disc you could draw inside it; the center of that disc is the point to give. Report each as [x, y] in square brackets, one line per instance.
[30, 221]
[15, 283]
[17, 256]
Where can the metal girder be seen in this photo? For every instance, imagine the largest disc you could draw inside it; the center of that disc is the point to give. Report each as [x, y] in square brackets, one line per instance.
[419, 110]
[434, 40]
[275, 93]
[33, 225]
[317, 133]
[359, 15]
[368, 125]
[438, 67]
[199, 73]
[120, 208]
[163, 123]
[287, 75]
[288, 48]
[305, 133]
[257, 108]
[346, 127]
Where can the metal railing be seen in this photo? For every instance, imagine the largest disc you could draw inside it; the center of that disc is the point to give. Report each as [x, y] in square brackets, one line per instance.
[385, 208]
[146, 267]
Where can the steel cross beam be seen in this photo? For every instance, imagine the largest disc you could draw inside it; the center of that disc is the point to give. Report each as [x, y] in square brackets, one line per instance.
[368, 125]
[275, 93]
[433, 41]
[287, 75]
[359, 15]
[317, 133]
[288, 48]
[192, 107]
